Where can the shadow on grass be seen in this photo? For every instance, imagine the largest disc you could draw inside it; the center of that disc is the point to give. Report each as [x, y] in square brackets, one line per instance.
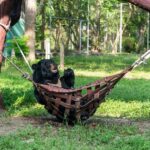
[17, 97]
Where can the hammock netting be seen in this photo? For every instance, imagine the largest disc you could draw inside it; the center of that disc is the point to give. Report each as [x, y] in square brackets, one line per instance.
[77, 104]
[81, 103]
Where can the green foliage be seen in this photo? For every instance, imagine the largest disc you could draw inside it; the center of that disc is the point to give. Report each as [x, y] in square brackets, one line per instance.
[22, 41]
[104, 19]
[76, 138]
[129, 44]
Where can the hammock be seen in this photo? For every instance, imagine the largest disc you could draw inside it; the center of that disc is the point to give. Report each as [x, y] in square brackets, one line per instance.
[81, 103]
[78, 104]
[75, 104]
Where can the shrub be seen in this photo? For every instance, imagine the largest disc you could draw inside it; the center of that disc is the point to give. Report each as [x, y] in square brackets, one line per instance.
[129, 44]
[22, 43]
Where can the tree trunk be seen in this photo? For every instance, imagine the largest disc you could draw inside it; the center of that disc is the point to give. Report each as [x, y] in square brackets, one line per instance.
[57, 38]
[140, 43]
[62, 48]
[62, 51]
[144, 4]
[30, 15]
[115, 43]
[43, 25]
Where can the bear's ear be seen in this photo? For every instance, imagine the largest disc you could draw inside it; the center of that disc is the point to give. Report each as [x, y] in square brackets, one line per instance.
[34, 66]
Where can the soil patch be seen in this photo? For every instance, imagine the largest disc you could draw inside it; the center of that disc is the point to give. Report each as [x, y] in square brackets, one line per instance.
[9, 125]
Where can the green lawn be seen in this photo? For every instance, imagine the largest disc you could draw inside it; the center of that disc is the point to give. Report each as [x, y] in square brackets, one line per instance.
[129, 99]
[76, 138]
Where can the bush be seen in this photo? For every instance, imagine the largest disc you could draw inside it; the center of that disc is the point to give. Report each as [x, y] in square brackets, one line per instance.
[22, 43]
[129, 44]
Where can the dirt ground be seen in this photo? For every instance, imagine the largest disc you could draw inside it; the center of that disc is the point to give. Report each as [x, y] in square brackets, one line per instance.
[12, 124]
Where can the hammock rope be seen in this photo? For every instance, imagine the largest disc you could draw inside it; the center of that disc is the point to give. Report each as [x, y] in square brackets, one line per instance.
[21, 51]
[142, 59]
[25, 75]
[81, 103]
[75, 104]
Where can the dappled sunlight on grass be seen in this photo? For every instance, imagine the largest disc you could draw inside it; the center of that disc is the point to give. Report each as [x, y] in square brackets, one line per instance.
[118, 108]
[101, 74]
[129, 98]
[138, 75]
[131, 90]
[77, 137]
[33, 110]
[86, 73]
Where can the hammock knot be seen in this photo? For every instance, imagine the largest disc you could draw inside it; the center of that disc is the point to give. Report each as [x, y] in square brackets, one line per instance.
[27, 76]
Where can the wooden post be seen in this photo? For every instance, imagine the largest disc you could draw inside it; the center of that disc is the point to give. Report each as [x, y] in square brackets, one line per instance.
[148, 30]
[80, 46]
[121, 24]
[43, 25]
[47, 48]
[62, 55]
[88, 28]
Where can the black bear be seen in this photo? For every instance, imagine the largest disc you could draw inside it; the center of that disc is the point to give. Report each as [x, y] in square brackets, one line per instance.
[68, 79]
[45, 71]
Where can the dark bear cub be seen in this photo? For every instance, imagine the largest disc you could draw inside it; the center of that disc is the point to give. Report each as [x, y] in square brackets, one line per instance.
[45, 71]
[68, 79]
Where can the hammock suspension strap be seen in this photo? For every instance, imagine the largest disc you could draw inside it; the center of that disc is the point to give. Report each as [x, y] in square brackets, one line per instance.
[24, 74]
[24, 57]
[142, 59]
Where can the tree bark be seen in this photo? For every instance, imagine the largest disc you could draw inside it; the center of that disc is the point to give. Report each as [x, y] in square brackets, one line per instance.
[62, 49]
[30, 15]
[144, 4]
[43, 25]
[62, 55]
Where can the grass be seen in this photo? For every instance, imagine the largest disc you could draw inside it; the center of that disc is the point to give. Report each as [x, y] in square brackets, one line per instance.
[76, 138]
[129, 99]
